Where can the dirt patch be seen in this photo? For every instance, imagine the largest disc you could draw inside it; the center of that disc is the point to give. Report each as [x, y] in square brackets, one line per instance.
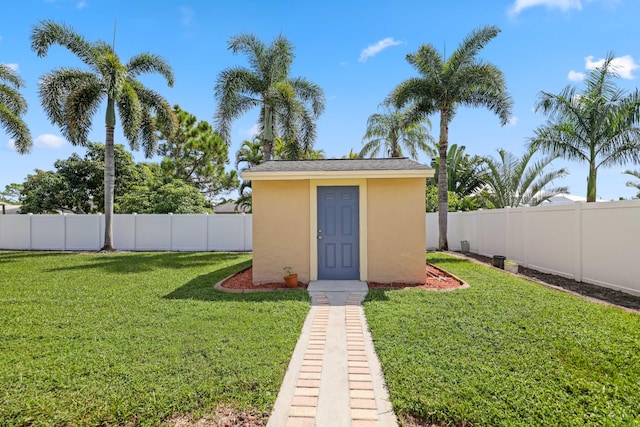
[224, 416]
[435, 279]
[609, 296]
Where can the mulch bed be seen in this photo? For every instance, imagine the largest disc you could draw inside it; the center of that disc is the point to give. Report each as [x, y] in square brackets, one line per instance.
[610, 296]
[435, 279]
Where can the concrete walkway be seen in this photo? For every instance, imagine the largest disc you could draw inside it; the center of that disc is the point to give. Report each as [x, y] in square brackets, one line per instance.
[334, 377]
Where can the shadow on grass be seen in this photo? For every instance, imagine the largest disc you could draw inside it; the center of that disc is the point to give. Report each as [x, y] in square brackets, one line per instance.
[148, 261]
[201, 289]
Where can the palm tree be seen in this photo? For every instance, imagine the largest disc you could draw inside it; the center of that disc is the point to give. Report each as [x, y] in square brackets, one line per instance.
[464, 173]
[288, 106]
[633, 184]
[71, 96]
[598, 126]
[513, 181]
[446, 84]
[395, 130]
[12, 106]
[250, 154]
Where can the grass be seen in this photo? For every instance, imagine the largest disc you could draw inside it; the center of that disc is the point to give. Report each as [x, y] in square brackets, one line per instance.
[506, 352]
[132, 339]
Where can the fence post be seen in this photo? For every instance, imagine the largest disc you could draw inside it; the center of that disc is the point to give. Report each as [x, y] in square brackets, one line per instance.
[578, 239]
[206, 247]
[507, 237]
[525, 221]
[171, 231]
[64, 230]
[30, 231]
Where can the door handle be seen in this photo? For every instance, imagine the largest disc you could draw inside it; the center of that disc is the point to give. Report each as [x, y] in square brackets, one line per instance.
[319, 237]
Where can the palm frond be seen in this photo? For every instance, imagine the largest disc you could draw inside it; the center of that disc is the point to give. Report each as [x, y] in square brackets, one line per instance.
[146, 63]
[48, 33]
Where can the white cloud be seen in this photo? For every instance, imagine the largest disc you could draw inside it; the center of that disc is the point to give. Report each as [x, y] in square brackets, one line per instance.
[376, 48]
[186, 16]
[48, 140]
[513, 120]
[623, 65]
[11, 145]
[14, 67]
[576, 76]
[251, 132]
[81, 4]
[564, 5]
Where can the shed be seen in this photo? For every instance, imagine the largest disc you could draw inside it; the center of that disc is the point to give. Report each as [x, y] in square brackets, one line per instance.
[339, 219]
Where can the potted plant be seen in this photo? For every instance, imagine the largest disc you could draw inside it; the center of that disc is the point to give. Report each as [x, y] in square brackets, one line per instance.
[290, 278]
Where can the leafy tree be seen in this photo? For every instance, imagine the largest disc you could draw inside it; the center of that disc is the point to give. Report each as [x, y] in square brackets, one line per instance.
[77, 185]
[283, 150]
[12, 106]
[43, 192]
[598, 126]
[394, 130]
[11, 193]
[195, 153]
[464, 173]
[446, 84]
[71, 97]
[514, 181]
[288, 106]
[456, 201]
[636, 184]
[173, 197]
[250, 154]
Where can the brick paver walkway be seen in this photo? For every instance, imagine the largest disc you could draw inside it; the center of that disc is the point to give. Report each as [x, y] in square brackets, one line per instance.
[335, 386]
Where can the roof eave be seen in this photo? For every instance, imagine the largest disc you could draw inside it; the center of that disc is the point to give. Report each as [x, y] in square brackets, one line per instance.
[300, 175]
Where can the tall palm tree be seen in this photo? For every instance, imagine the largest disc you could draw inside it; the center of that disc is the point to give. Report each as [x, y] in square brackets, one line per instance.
[465, 174]
[514, 181]
[288, 106]
[636, 184]
[444, 85]
[71, 96]
[598, 126]
[394, 130]
[12, 106]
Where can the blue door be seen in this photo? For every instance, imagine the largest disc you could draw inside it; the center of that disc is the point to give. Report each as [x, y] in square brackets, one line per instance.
[338, 233]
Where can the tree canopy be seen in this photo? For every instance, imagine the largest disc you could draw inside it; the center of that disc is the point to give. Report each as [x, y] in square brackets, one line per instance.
[12, 107]
[71, 96]
[597, 126]
[289, 106]
[444, 85]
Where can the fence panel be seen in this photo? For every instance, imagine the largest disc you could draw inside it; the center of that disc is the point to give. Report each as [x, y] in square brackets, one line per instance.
[82, 232]
[189, 233]
[48, 232]
[610, 239]
[153, 232]
[15, 232]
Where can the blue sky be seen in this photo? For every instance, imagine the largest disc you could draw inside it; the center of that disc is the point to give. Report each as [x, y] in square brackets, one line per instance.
[355, 50]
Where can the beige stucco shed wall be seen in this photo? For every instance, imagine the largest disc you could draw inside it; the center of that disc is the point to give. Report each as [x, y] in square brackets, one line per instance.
[396, 240]
[280, 229]
[392, 228]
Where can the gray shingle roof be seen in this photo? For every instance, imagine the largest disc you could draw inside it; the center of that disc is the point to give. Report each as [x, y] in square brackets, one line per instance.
[339, 165]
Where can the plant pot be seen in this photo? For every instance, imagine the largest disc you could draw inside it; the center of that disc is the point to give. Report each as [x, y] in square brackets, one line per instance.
[291, 280]
[511, 267]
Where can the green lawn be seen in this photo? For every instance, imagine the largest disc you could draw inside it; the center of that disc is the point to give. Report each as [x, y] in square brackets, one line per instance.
[506, 352]
[132, 339]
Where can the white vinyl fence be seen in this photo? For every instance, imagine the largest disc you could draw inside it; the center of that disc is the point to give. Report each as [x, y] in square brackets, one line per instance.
[590, 242]
[184, 232]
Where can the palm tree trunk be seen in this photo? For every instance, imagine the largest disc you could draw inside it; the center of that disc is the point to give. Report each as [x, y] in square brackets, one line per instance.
[591, 182]
[443, 195]
[267, 139]
[109, 178]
